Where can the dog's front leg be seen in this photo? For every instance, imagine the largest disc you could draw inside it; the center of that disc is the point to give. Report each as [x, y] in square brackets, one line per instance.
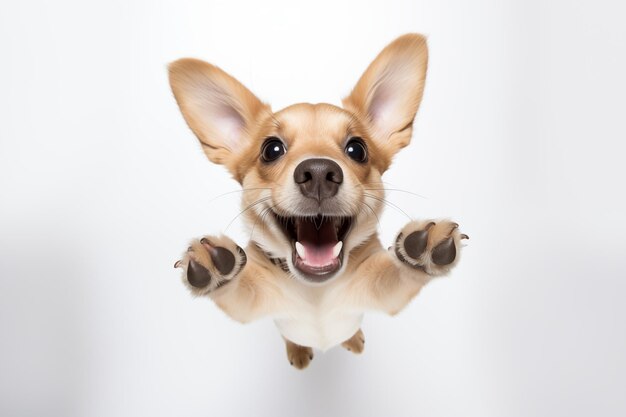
[421, 251]
[219, 268]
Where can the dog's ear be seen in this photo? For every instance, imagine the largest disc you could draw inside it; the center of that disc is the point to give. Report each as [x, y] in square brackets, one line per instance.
[389, 92]
[217, 108]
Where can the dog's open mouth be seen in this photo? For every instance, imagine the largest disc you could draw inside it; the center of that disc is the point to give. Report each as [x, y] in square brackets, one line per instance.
[317, 243]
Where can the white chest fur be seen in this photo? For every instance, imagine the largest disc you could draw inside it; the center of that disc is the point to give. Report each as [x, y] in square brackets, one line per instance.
[318, 318]
[320, 332]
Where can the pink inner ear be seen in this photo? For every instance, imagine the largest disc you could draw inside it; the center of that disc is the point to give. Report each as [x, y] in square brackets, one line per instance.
[381, 106]
[390, 105]
[218, 112]
[229, 124]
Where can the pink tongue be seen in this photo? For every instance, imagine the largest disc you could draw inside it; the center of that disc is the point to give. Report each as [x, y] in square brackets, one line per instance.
[318, 255]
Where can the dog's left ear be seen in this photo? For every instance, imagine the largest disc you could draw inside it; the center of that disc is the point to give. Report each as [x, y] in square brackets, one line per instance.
[389, 93]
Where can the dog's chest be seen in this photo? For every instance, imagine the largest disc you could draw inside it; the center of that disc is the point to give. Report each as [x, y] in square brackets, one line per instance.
[320, 323]
[320, 332]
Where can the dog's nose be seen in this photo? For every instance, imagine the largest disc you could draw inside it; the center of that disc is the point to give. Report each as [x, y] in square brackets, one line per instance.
[318, 178]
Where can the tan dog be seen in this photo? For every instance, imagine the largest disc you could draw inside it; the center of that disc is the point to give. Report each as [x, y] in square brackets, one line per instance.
[311, 175]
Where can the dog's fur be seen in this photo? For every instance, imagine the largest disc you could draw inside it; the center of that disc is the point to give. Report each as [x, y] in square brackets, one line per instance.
[323, 309]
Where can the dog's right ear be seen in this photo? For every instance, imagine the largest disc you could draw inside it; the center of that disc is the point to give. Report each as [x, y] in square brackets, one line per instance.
[217, 108]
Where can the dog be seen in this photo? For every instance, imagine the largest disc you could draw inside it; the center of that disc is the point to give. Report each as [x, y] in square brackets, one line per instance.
[312, 195]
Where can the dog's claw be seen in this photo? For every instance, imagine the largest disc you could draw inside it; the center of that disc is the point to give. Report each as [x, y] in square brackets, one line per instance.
[177, 264]
[464, 236]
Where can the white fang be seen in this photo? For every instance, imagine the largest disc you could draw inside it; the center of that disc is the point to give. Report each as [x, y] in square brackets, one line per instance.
[300, 250]
[337, 249]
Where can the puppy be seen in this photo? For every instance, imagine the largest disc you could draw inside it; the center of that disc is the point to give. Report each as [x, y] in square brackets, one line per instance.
[312, 195]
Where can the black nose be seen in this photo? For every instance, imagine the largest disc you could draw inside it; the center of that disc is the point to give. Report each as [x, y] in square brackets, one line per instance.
[318, 178]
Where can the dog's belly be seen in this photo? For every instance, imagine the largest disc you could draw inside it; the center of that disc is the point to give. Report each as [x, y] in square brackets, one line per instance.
[320, 331]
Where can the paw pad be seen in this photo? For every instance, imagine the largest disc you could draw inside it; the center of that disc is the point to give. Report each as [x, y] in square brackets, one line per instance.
[445, 252]
[210, 265]
[197, 275]
[431, 247]
[222, 258]
[416, 242]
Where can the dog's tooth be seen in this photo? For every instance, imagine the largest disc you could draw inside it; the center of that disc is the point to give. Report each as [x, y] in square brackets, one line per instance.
[337, 249]
[300, 250]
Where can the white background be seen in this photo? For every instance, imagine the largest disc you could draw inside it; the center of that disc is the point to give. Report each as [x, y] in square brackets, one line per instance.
[520, 139]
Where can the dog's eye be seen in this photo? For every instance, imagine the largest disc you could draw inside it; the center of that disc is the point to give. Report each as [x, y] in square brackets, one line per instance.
[272, 149]
[356, 150]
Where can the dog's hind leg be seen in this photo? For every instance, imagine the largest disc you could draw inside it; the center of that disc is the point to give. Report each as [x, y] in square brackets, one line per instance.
[299, 356]
[356, 343]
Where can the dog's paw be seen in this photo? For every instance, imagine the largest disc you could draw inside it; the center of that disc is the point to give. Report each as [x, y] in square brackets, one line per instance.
[299, 356]
[211, 263]
[430, 246]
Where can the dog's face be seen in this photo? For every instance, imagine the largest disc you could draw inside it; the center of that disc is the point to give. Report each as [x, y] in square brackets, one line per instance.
[311, 173]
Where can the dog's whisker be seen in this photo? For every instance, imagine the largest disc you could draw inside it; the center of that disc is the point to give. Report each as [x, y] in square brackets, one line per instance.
[264, 213]
[390, 204]
[373, 212]
[261, 218]
[237, 191]
[259, 201]
[382, 187]
[395, 189]
[378, 183]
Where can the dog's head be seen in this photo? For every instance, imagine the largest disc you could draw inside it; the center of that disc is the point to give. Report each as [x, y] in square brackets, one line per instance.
[311, 173]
